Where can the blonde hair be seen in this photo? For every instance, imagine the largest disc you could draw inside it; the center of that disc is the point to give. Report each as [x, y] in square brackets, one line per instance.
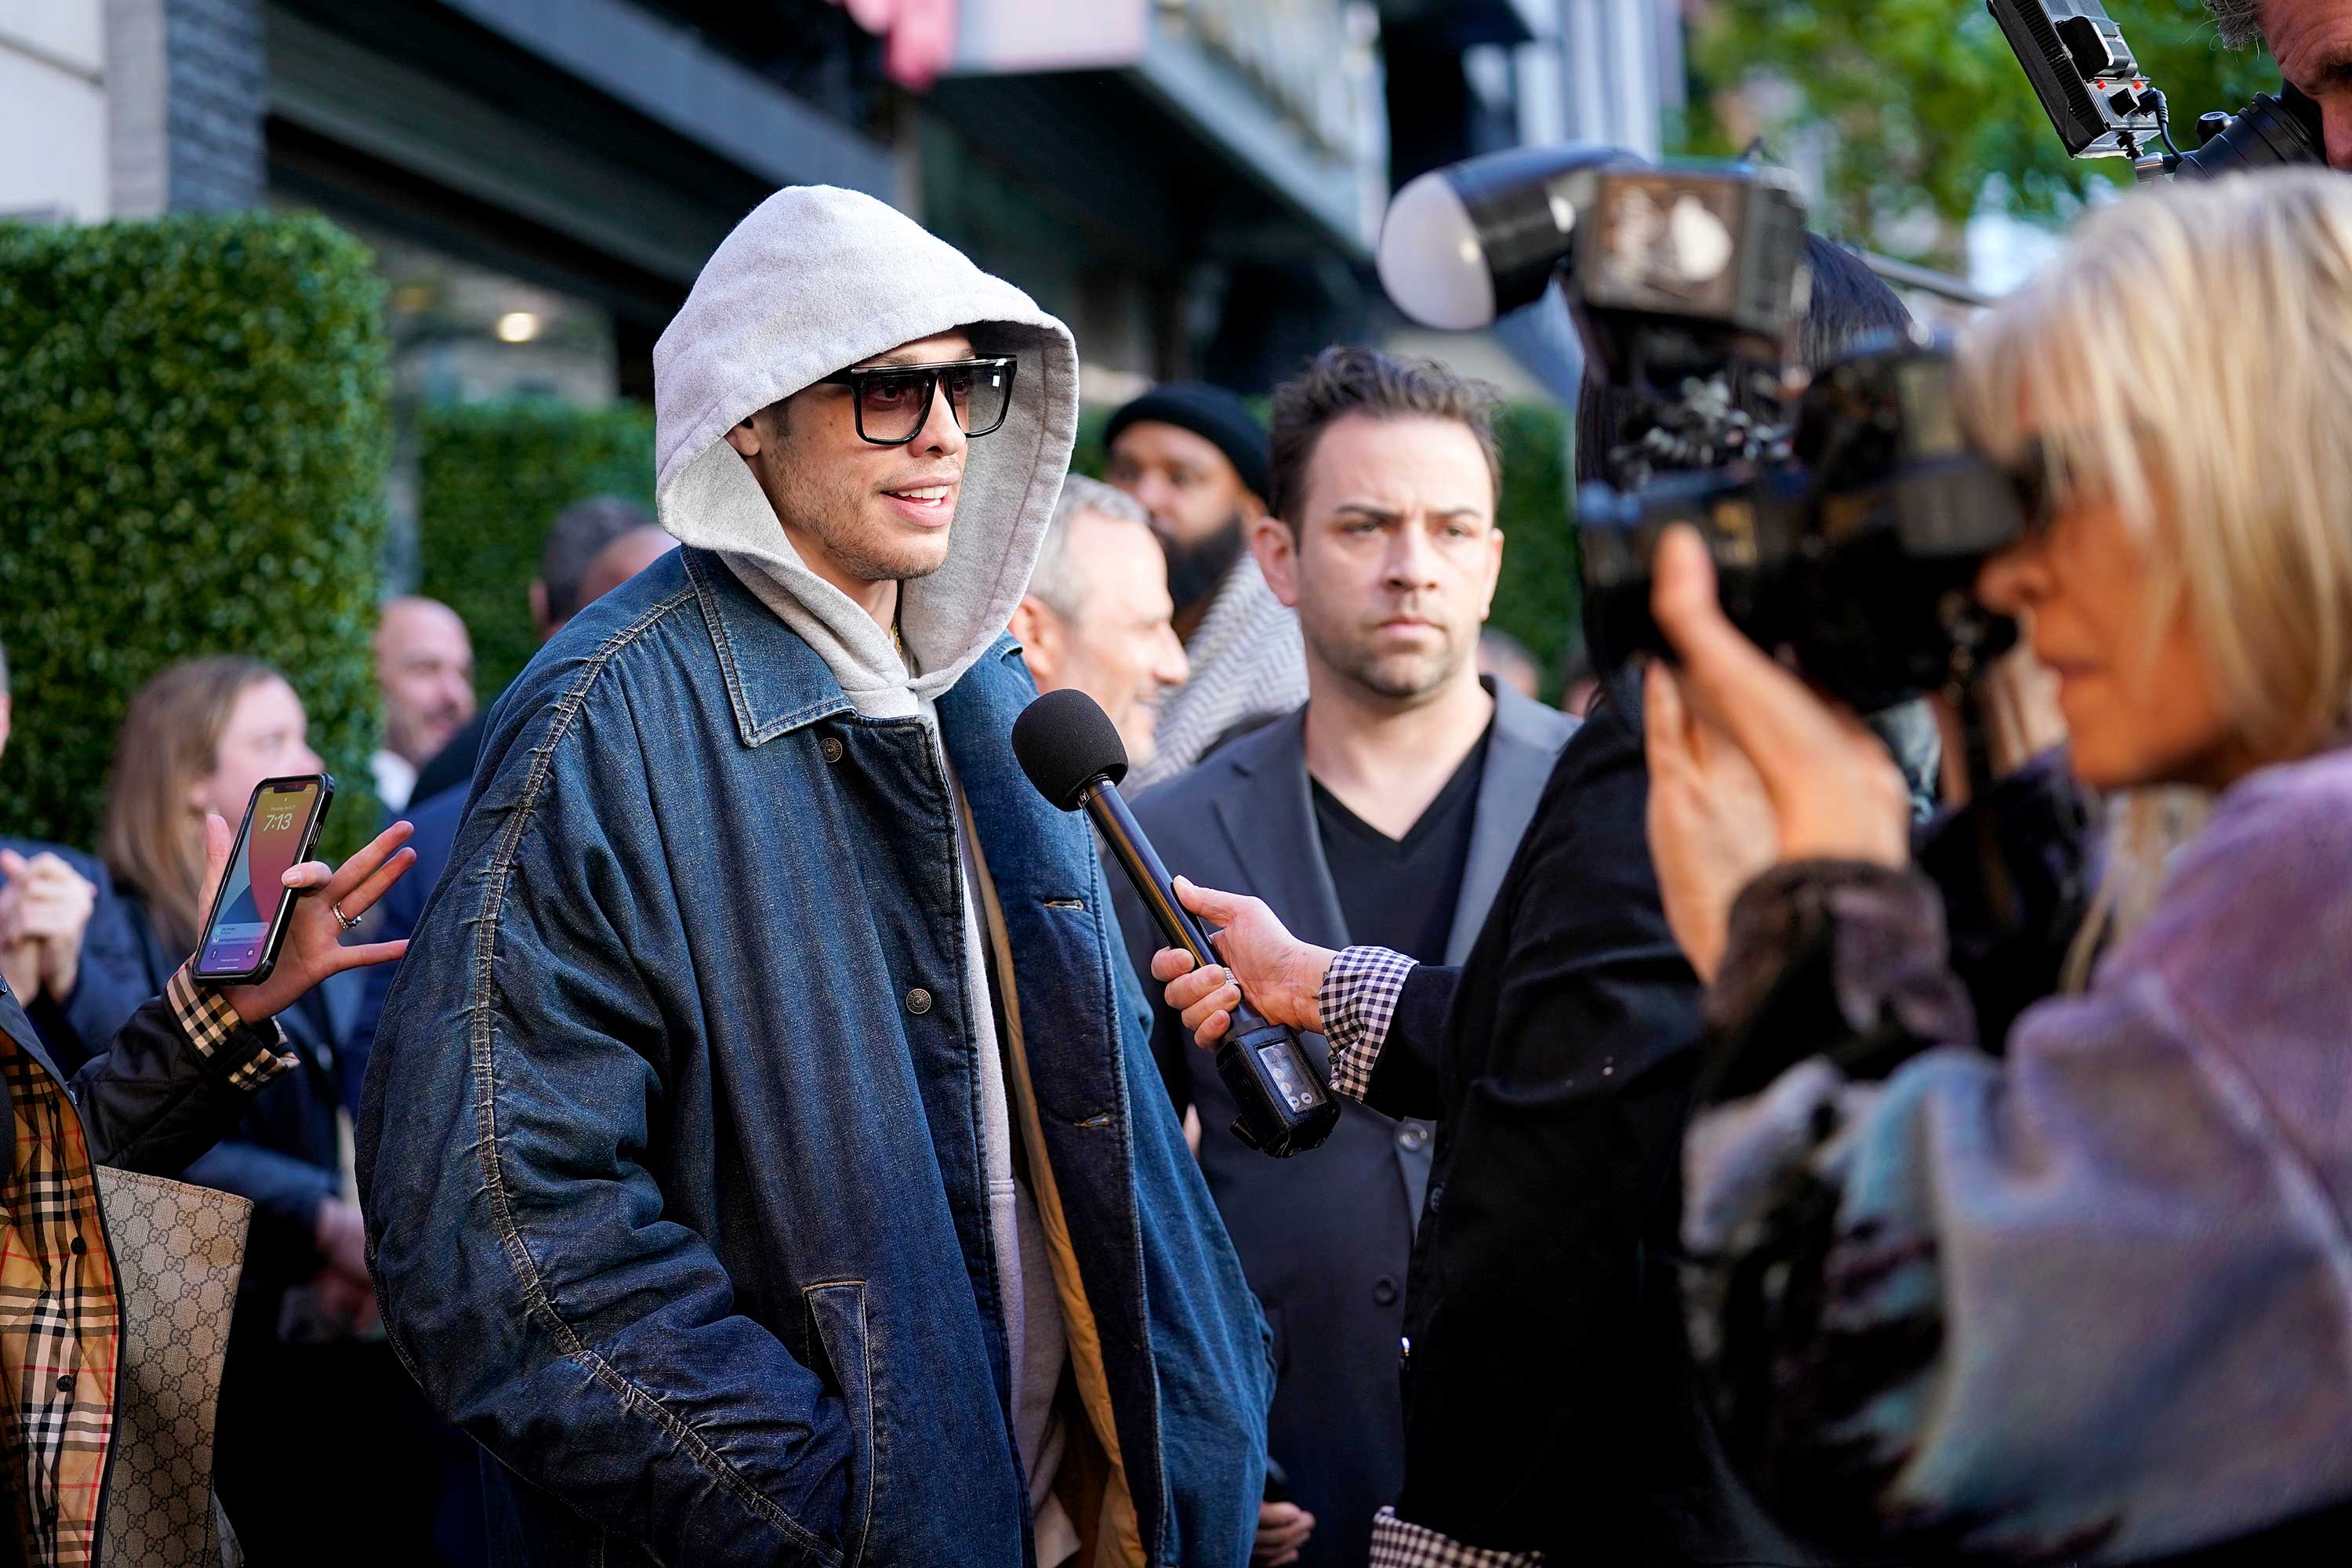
[2190, 356]
[153, 840]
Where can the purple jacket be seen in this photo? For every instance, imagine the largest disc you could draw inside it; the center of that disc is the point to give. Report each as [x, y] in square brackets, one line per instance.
[2090, 1300]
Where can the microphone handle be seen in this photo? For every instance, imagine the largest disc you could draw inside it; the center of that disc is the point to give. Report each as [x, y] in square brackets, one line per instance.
[1284, 1109]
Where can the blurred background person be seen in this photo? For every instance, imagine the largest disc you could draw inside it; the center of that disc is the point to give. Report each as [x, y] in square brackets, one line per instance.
[591, 547]
[1195, 457]
[2080, 1292]
[305, 1359]
[65, 948]
[424, 667]
[1098, 615]
[1383, 811]
[1506, 659]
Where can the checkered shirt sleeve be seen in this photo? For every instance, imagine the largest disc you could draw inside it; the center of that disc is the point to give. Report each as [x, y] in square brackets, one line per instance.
[255, 1053]
[1357, 1000]
[1401, 1543]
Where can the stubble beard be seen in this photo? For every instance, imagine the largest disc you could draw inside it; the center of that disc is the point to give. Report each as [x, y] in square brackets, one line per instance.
[860, 545]
[1404, 678]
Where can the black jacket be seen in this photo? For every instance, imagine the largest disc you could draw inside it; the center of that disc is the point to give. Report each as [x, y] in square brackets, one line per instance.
[1323, 1237]
[283, 1152]
[148, 1102]
[1550, 1402]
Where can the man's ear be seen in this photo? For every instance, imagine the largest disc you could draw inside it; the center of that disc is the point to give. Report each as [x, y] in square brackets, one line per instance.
[538, 610]
[1039, 632]
[3, 721]
[745, 438]
[1275, 544]
[1252, 505]
[1494, 572]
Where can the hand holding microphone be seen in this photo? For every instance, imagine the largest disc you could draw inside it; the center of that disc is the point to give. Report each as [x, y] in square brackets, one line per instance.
[1072, 752]
[1282, 975]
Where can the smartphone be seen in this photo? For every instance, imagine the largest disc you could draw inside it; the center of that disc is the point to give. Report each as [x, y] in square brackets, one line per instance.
[248, 920]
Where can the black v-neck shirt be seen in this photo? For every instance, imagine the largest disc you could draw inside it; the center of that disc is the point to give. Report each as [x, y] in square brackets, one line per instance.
[1400, 893]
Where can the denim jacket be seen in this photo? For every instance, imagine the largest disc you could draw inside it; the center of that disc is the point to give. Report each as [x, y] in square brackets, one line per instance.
[670, 1140]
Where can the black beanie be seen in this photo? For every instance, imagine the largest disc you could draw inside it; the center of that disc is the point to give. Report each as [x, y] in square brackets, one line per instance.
[1212, 413]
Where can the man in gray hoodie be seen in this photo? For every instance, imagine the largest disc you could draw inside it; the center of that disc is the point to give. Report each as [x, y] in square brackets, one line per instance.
[764, 1054]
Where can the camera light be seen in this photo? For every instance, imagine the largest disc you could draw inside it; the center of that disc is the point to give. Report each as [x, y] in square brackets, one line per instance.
[1431, 260]
[518, 327]
[1463, 245]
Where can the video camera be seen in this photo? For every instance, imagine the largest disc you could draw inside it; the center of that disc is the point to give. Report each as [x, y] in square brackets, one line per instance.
[1846, 515]
[2102, 106]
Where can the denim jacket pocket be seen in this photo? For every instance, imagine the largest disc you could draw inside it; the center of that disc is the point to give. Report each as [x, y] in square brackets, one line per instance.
[837, 1329]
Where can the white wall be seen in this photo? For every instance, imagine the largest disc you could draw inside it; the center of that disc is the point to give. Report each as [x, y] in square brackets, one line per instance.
[52, 127]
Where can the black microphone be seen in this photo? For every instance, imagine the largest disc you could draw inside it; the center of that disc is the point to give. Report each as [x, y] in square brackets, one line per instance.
[1072, 752]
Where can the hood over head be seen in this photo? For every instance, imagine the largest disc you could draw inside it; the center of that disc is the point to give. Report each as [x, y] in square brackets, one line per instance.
[814, 280]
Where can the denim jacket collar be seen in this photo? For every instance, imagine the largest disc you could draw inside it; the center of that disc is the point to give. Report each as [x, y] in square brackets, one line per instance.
[776, 683]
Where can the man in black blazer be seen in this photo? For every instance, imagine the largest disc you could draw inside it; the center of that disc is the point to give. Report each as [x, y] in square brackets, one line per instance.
[1389, 804]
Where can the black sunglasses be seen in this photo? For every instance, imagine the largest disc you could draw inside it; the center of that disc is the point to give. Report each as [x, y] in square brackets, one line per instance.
[894, 401]
[2038, 473]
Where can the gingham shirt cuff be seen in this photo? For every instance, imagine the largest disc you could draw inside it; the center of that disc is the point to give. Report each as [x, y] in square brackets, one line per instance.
[255, 1053]
[1401, 1543]
[1357, 1000]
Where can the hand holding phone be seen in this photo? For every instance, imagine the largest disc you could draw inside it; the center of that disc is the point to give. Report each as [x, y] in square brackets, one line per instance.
[253, 881]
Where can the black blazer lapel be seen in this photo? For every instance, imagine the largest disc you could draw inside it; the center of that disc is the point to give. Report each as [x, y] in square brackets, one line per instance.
[1519, 756]
[1268, 818]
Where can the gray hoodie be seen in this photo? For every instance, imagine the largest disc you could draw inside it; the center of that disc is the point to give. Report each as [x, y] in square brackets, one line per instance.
[813, 281]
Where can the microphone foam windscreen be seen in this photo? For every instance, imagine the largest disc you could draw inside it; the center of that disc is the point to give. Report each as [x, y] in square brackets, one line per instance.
[1065, 742]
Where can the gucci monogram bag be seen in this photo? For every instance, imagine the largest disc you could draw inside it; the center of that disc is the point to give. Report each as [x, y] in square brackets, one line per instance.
[178, 1250]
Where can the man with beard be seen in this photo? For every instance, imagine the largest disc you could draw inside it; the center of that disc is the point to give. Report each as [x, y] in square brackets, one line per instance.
[1383, 811]
[1195, 457]
[2311, 41]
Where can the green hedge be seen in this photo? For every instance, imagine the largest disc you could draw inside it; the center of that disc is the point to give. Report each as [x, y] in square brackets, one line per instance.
[1536, 601]
[193, 450]
[490, 477]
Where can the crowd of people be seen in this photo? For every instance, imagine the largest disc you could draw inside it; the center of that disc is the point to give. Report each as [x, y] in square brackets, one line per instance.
[728, 1116]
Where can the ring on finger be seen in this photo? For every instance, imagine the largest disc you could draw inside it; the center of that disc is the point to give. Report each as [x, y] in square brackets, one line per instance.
[346, 922]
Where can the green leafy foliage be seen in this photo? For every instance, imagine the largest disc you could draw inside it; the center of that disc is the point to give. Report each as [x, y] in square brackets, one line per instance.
[193, 463]
[490, 477]
[1538, 597]
[1919, 108]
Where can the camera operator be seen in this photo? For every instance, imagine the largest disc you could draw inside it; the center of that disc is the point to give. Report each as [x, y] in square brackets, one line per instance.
[2311, 41]
[2088, 1299]
[1549, 1411]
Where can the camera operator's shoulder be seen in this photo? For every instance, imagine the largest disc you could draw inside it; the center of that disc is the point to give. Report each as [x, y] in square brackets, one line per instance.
[2254, 918]
[2292, 821]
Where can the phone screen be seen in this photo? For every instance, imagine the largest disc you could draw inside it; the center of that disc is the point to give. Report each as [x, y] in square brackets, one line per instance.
[266, 850]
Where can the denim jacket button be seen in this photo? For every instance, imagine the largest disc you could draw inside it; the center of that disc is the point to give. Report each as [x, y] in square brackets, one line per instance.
[830, 748]
[918, 1000]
